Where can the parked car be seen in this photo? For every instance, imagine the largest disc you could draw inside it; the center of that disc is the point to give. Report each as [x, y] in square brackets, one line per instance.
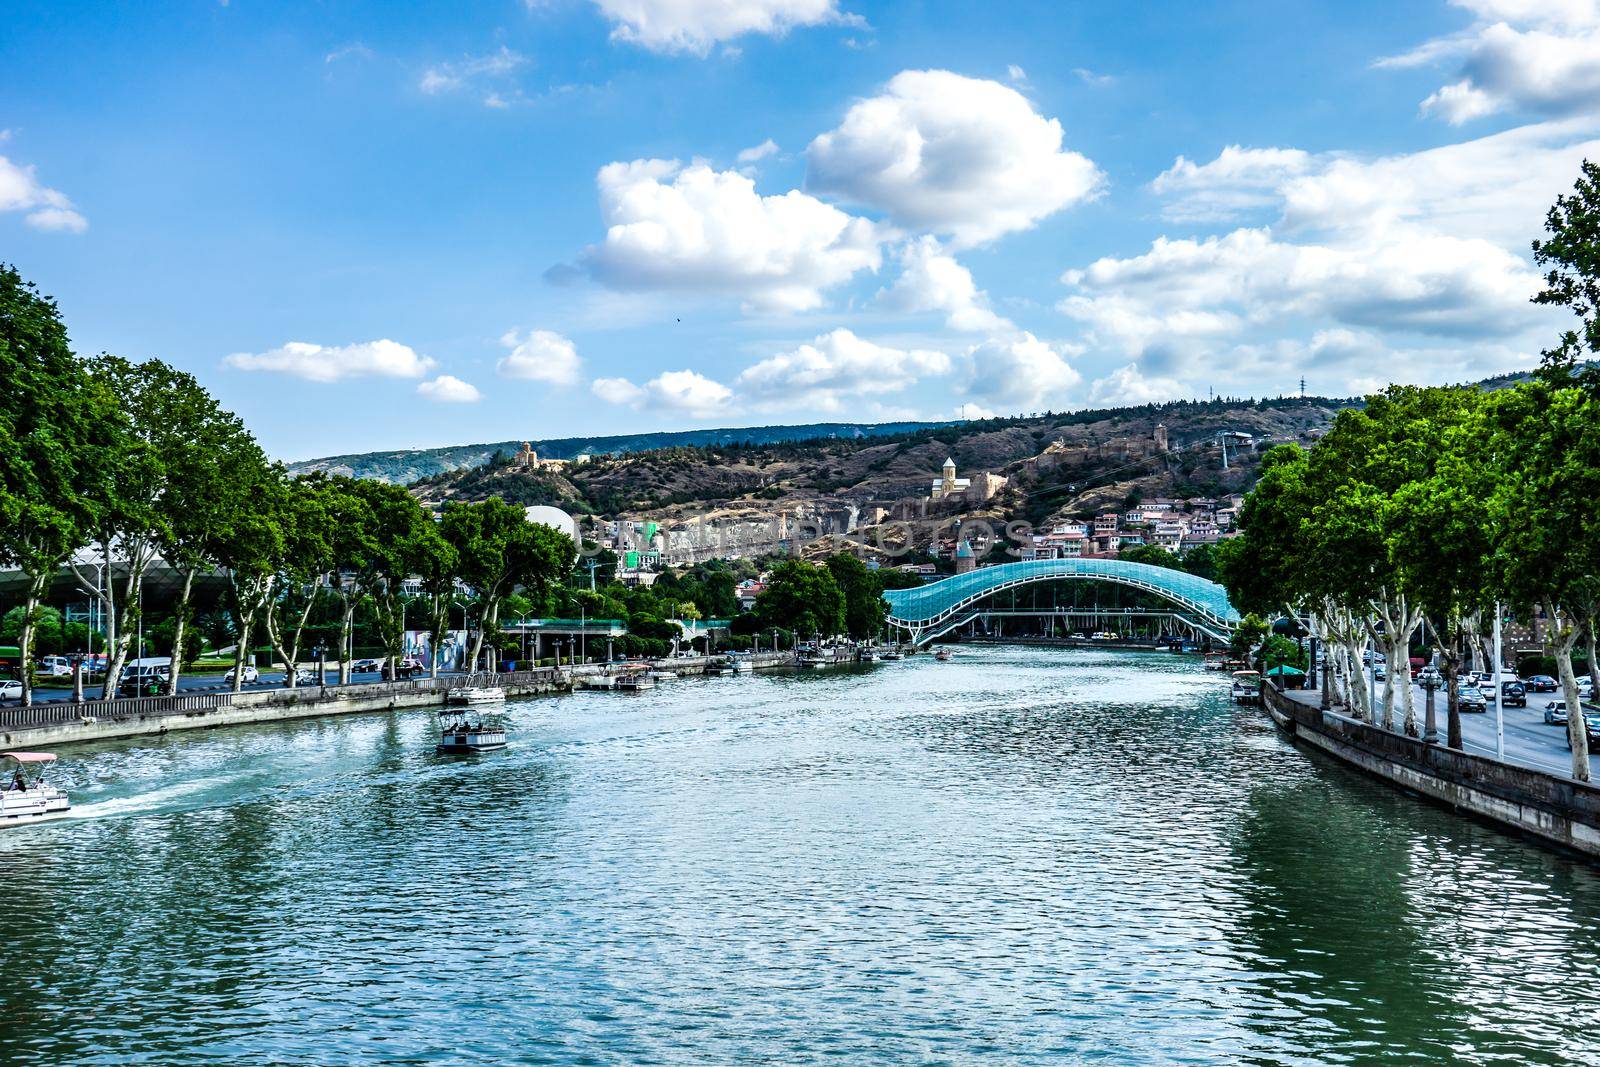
[1515, 696]
[251, 675]
[1586, 688]
[1540, 683]
[1379, 672]
[10, 689]
[1555, 713]
[1470, 700]
[365, 666]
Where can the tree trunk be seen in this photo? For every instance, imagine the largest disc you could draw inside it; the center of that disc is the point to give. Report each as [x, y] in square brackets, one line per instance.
[346, 629]
[1562, 637]
[37, 584]
[239, 650]
[1594, 668]
[180, 624]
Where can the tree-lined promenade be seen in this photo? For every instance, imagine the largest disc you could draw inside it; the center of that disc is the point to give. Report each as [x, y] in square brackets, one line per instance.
[137, 462]
[1432, 508]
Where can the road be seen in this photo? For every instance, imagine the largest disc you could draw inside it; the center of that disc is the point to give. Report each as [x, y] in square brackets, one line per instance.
[1529, 741]
[200, 683]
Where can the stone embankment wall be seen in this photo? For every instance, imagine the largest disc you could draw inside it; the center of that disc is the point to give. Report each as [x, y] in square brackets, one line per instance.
[98, 721]
[1555, 810]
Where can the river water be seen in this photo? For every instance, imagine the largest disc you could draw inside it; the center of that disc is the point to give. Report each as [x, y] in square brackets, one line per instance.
[1018, 856]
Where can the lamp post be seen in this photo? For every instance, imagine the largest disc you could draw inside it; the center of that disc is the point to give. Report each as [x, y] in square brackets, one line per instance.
[1499, 717]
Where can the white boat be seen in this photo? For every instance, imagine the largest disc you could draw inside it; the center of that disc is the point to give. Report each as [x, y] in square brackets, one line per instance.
[664, 676]
[891, 654]
[945, 655]
[636, 682]
[740, 664]
[476, 694]
[461, 737]
[25, 797]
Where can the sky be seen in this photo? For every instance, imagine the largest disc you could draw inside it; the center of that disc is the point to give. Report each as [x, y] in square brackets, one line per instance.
[371, 225]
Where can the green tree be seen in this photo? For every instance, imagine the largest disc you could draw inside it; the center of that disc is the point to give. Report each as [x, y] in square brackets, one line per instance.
[864, 606]
[394, 546]
[499, 550]
[51, 413]
[802, 598]
[1570, 256]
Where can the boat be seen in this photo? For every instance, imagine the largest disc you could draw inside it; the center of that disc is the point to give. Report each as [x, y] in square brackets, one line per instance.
[740, 664]
[945, 655]
[891, 654]
[813, 659]
[664, 676]
[476, 694]
[635, 682]
[719, 668]
[26, 797]
[462, 737]
[1246, 687]
[866, 655]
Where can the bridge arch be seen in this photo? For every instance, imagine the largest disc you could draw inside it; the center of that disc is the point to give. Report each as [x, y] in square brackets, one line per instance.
[929, 610]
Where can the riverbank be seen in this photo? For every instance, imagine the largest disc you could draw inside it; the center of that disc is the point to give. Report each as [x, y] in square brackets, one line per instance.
[53, 725]
[1555, 810]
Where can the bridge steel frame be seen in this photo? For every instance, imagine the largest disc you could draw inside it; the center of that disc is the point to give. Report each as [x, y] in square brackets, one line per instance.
[929, 611]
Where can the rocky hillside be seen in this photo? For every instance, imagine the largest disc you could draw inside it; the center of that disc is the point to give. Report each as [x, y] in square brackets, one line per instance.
[407, 465]
[723, 498]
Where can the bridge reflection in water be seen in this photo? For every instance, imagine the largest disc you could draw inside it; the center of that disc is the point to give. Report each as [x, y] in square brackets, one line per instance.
[931, 610]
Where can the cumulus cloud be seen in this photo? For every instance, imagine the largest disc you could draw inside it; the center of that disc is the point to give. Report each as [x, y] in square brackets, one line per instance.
[696, 26]
[973, 411]
[1021, 372]
[1127, 386]
[541, 356]
[836, 368]
[1540, 56]
[46, 208]
[695, 229]
[942, 153]
[1237, 181]
[684, 392]
[332, 363]
[931, 280]
[448, 389]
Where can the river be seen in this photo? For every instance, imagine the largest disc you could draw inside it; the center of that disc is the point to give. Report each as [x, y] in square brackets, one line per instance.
[1018, 856]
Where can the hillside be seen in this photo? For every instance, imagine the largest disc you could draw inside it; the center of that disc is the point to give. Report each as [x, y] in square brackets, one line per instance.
[407, 465]
[736, 498]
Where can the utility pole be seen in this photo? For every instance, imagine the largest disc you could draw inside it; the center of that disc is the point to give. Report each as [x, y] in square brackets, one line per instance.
[1302, 387]
[1499, 703]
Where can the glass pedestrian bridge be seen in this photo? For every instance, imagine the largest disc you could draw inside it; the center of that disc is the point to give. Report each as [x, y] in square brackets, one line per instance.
[938, 607]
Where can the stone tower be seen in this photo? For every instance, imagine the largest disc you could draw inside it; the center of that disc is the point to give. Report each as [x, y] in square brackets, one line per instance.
[948, 485]
[1161, 437]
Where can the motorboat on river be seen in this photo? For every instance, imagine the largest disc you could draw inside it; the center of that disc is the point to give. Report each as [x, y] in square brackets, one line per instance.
[1246, 687]
[461, 736]
[25, 797]
[476, 694]
[945, 655]
[635, 681]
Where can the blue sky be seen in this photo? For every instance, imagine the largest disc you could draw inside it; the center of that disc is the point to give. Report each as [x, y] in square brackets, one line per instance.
[373, 225]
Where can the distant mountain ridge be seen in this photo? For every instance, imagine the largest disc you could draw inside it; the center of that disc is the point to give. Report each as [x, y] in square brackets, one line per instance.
[404, 466]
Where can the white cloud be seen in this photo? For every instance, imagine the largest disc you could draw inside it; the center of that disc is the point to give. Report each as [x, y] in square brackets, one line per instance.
[1128, 387]
[973, 411]
[680, 391]
[1541, 56]
[931, 280]
[332, 363]
[1089, 77]
[1021, 372]
[1016, 74]
[836, 368]
[695, 26]
[449, 77]
[1237, 181]
[694, 229]
[448, 389]
[756, 153]
[947, 154]
[47, 208]
[541, 356]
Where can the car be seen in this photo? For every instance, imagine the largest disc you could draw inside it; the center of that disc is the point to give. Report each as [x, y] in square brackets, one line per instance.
[1586, 688]
[10, 689]
[1486, 691]
[251, 675]
[1513, 695]
[1591, 724]
[365, 666]
[1540, 683]
[1470, 700]
[1379, 672]
[56, 667]
[408, 667]
[144, 680]
[302, 676]
[1555, 713]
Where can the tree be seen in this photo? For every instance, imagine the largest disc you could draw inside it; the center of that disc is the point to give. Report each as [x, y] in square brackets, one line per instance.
[1571, 258]
[393, 547]
[438, 564]
[803, 598]
[499, 550]
[305, 557]
[51, 414]
[864, 606]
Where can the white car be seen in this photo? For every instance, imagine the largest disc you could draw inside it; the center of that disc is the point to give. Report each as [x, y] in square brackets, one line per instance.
[10, 689]
[56, 667]
[251, 675]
